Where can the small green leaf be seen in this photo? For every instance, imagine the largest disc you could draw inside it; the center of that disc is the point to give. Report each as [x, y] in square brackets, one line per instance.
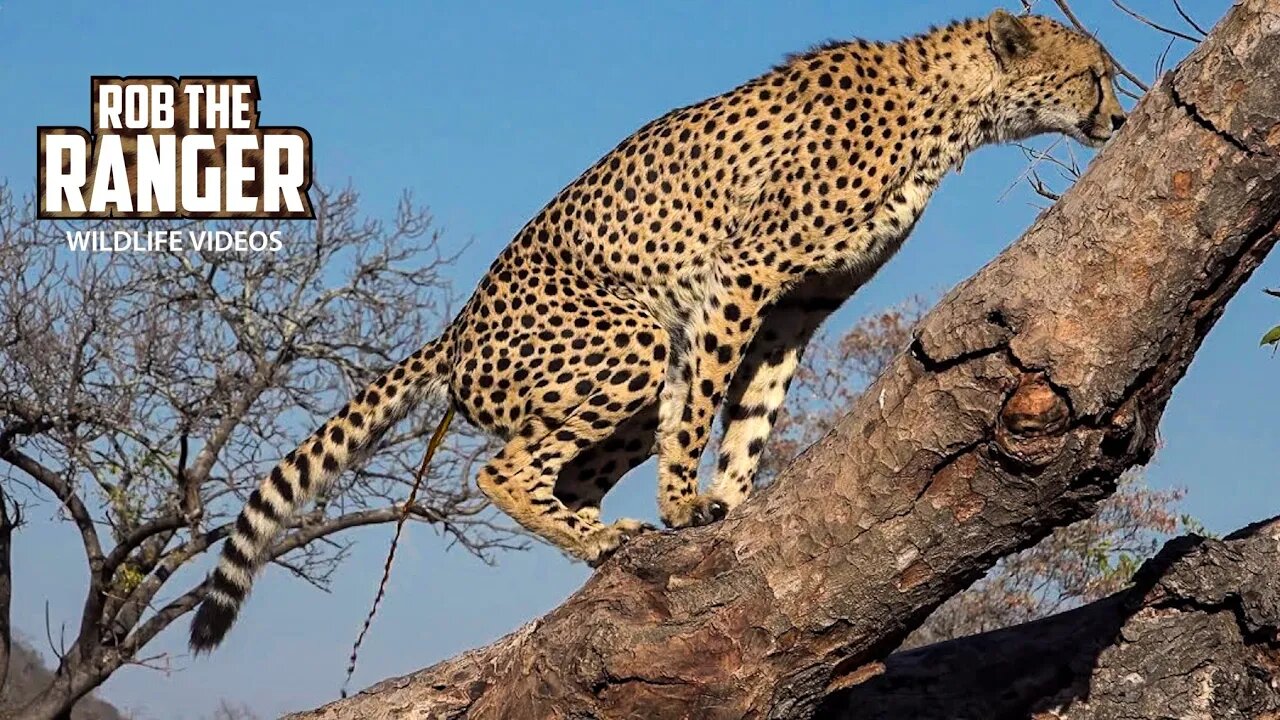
[1272, 337]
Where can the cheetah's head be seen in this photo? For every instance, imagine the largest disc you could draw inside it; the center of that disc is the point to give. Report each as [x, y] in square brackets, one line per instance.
[1051, 79]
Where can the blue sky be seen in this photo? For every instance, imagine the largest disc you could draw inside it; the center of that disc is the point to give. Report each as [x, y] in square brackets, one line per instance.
[484, 110]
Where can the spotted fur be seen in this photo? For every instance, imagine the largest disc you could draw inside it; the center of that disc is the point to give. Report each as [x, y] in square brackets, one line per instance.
[686, 270]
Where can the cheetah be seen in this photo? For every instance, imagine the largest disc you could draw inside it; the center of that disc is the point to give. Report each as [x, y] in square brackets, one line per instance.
[685, 272]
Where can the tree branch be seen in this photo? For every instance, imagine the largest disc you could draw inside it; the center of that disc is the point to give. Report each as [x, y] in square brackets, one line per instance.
[1153, 24]
[1070, 15]
[70, 500]
[10, 519]
[1190, 638]
[208, 455]
[125, 620]
[1027, 392]
[139, 535]
[1188, 19]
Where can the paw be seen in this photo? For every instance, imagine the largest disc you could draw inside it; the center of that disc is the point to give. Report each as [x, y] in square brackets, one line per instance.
[695, 510]
[602, 543]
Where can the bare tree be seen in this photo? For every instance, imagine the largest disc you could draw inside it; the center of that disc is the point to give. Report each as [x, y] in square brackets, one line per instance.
[145, 392]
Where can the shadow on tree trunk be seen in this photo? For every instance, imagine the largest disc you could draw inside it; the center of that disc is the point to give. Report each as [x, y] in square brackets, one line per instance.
[1195, 636]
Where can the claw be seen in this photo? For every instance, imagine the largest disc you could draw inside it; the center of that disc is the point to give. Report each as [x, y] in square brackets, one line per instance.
[705, 512]
[714, 511]
[615, 536]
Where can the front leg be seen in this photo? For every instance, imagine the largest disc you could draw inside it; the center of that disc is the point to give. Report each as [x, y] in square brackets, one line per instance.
[717, 337]
[760, 385]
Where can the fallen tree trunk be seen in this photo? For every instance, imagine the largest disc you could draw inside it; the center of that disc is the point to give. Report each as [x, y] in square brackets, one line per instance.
[1028, 390]
[1194, 637]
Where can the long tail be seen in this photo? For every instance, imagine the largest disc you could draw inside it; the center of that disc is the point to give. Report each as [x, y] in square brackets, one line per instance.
[302, 474]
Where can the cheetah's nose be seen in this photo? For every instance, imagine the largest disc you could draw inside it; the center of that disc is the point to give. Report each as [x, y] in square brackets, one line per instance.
[1117, 122]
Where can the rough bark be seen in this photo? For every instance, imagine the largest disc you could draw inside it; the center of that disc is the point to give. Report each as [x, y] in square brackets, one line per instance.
[1194, 637]
[1028, 390]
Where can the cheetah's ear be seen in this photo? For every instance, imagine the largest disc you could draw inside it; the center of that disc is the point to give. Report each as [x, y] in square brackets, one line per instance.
[1009, 37]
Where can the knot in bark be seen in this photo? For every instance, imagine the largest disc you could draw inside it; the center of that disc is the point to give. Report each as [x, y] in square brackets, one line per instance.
[1032, 421]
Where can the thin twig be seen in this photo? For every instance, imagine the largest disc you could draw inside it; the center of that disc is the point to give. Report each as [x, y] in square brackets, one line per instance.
[1188, 18]
[395, 540]
[1153, 24]
[1036, 157]
[60, 650]
[1042, 189]
[1071, 16]
[1160, 61]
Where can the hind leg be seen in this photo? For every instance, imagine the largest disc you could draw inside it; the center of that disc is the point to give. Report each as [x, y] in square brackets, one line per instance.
[521, 479]
[557, 380]
[585, 480]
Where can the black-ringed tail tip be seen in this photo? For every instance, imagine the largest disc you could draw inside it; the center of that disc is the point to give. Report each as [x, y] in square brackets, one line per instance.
[307, 470]
[213, 619]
